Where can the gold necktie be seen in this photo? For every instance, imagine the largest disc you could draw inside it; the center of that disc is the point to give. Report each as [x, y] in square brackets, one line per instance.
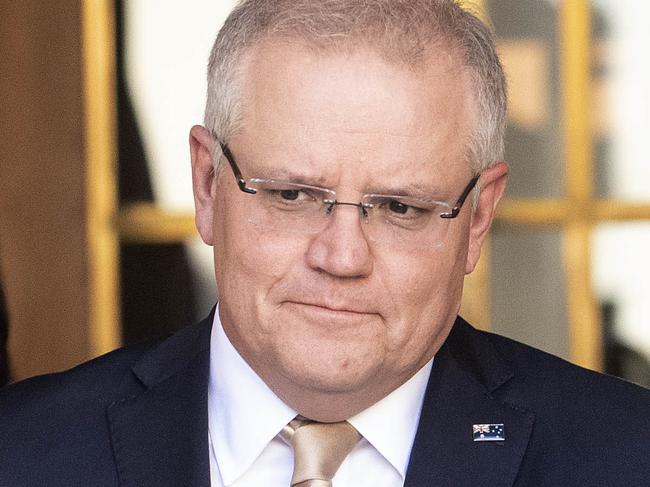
[319, 449]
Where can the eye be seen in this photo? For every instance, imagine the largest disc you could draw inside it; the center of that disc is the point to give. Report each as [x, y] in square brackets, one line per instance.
[295, 195]
[397, 207]
[290, 194]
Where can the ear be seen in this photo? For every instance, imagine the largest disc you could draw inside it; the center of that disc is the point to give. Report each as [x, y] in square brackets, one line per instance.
[203, 180]
[493, 184]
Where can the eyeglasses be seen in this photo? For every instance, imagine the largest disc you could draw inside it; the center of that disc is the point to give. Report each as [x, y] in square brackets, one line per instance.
[289, 208]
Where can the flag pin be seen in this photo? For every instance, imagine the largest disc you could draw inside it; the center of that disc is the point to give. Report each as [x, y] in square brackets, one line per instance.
[488, 432]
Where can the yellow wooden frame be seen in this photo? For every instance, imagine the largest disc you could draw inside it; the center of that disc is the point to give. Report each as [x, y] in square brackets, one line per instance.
[99, 75]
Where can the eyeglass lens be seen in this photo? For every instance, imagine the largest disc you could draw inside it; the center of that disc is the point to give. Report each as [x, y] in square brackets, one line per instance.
[291, 210]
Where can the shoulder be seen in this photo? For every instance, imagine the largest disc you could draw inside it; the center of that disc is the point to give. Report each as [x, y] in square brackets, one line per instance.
[540, 376]
[109, 377]
[96, 380]
[588, 428]
[535, 374]
[54, 426]
[587, 425]
[78, 396]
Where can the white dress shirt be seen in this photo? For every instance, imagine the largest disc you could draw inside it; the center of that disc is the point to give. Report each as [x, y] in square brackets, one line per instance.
[245, 418]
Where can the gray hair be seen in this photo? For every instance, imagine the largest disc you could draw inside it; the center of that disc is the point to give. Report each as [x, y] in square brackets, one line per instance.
[402, 31]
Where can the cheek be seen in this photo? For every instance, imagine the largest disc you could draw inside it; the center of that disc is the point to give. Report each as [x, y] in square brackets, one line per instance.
[268, 257]
[248, 258]
[423, 299]
[419, 280]
[425, 291]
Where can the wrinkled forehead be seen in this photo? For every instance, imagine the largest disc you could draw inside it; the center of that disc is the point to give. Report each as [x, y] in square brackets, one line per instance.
[429, 63]
[304, 104]
[291, 78]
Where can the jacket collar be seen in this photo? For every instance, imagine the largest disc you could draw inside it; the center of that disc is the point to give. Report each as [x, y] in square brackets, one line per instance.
[159, 436]
[465, 379]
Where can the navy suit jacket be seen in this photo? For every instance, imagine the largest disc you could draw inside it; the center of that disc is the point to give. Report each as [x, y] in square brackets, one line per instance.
[137, 417]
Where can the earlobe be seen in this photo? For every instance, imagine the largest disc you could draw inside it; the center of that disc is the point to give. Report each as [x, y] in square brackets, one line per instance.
[201, 150]
[493, 184]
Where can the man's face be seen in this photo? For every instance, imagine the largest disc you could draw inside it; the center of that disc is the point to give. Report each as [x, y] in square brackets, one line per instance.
[333, 321]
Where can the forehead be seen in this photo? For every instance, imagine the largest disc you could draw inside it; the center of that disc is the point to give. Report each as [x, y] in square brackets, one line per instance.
[353, 106]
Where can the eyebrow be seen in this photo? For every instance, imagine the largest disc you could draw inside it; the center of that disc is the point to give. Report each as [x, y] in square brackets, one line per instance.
[295, 177]
[412, 189]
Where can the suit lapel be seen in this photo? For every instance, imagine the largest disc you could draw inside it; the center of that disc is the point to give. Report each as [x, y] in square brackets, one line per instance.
[159, 436]
[465, 378]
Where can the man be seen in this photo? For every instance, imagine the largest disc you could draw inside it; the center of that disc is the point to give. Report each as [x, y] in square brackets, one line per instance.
[347, 175]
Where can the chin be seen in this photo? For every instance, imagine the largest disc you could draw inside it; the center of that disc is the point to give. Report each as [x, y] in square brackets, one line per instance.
[336, 383]
[326, 395]
[330, 374]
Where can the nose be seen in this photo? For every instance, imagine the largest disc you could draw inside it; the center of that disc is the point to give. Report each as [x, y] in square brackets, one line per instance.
[341, 249]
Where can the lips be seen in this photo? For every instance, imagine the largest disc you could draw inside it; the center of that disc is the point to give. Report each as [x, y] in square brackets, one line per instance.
[333, 308]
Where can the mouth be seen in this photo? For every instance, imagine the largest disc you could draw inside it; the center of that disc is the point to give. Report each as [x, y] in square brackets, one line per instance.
[322, 308]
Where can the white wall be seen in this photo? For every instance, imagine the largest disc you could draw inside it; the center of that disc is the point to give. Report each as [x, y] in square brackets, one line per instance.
[167, 47]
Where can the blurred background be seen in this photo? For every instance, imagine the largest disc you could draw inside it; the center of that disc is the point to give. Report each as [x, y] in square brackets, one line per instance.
[97, 240]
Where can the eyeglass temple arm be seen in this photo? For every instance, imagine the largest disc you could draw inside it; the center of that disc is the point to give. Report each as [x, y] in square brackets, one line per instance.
[241, 182]
[459, 204]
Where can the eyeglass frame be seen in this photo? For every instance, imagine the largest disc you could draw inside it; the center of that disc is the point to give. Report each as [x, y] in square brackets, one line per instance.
[241, 183]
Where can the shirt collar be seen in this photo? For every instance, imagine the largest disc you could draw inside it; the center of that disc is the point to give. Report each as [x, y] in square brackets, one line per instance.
[239, 433]
[390, 425]
[236, 398]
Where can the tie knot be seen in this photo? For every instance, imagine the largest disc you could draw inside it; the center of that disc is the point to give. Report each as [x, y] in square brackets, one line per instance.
[319, 449]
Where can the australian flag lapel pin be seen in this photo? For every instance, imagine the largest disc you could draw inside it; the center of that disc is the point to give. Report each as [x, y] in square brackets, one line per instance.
[488, 432]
